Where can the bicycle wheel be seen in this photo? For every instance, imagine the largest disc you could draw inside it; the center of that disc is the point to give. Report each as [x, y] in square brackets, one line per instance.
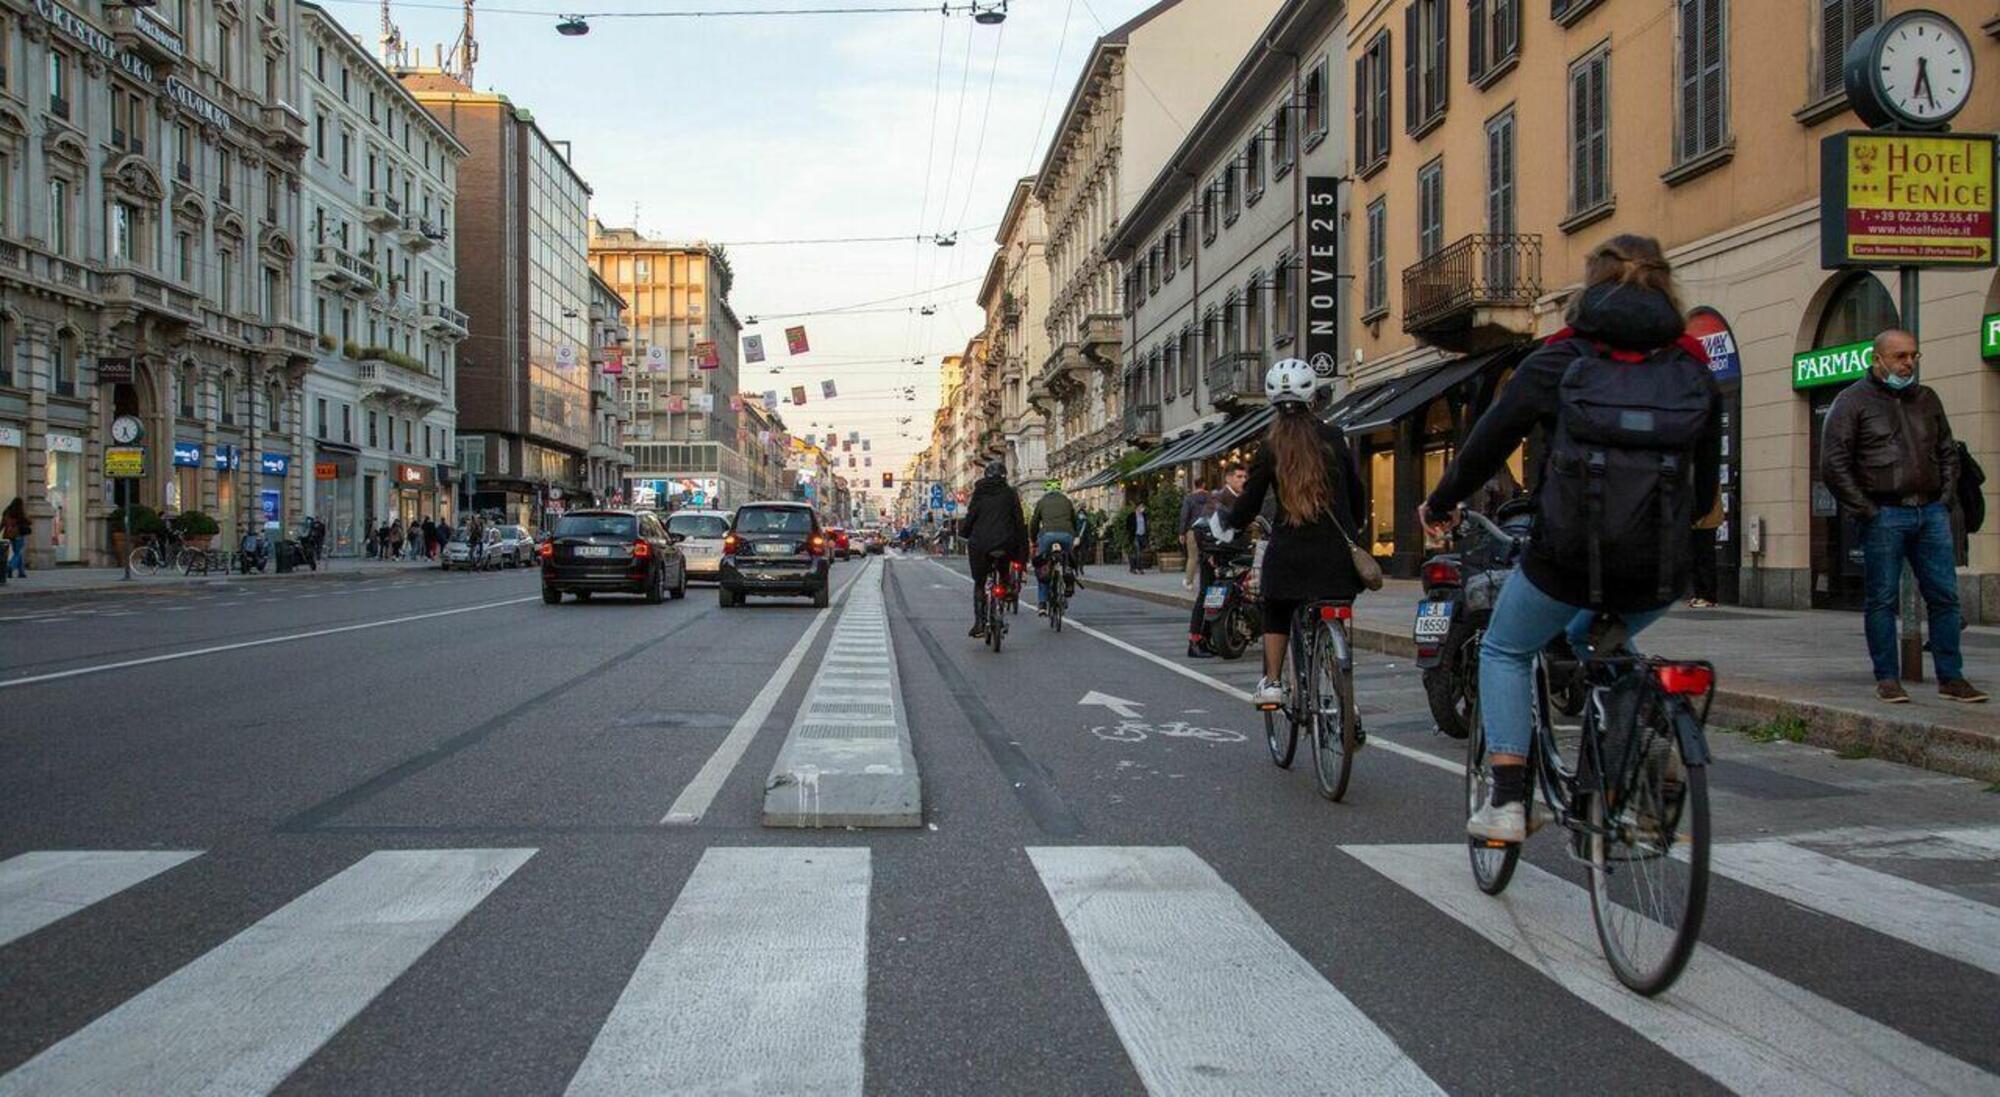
[996, 622]
[1649, 861]
[1281, 727]
[1057, 603]
[1333, 716]
[145, 560]
[1492, 862]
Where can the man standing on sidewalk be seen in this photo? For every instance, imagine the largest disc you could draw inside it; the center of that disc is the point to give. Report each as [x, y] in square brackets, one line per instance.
[1193, 505]
[1888, 455]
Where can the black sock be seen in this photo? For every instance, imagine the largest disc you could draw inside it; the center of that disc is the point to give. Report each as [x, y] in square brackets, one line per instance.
[1510, 784]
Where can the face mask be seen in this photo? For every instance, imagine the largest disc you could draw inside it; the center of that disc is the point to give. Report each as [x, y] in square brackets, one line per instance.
[1898, 383]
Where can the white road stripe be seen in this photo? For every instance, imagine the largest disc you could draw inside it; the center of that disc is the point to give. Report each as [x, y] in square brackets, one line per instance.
[46, 886]
[242, 1017]
[756, 982]
[101, 668]
[1205, 996]
[694, 800]
[1740, 1025]
[1890, 905]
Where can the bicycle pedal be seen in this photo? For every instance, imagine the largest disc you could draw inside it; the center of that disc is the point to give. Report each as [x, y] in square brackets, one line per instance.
[1495, 843]
[1539, 818]
[1270, 708]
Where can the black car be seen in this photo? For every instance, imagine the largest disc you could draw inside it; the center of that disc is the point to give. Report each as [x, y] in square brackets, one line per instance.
[775, 548]
[611, 551]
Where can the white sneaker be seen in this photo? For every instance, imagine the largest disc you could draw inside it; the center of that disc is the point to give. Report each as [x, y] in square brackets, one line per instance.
[1269, 694]
[1499, 824]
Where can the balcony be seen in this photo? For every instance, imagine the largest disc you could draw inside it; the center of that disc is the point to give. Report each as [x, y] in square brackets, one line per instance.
[1010, 311]
[381, 209]
[145, 34]
[445, 320]
[283, 338]
[1474, 289]
[419, 233]
[1236, 378]
[412, 389]
[340, 269]
[146, 293]
[1142, 425]
[1101, 334]
[284, 129]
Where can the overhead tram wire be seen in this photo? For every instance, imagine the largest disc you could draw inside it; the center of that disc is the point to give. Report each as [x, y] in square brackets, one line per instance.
[1048, 97]
[685, 13]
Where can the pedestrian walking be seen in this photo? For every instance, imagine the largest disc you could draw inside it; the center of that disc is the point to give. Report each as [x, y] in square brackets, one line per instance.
[14, 529]
[1888, 456]
[1193, 505]
[396, 539]
[1135, 528]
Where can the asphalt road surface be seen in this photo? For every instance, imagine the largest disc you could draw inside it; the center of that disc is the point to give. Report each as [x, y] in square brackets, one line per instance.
[407, 835]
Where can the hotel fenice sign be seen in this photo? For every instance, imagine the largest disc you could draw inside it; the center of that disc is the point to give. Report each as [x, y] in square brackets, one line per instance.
[1907, 200]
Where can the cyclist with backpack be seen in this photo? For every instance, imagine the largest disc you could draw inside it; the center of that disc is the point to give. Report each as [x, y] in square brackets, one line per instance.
[1635, 441]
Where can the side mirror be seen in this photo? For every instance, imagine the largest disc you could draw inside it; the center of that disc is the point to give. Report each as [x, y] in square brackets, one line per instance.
[677, 538]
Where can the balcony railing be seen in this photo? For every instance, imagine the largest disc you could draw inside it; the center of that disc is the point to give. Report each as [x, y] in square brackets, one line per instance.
[412, 386]
[1142, 423]
[1236, 377]
[442, 317]
[382, 209]
[284, 127]
[1445, 291]
[344, 269]
[149, 293]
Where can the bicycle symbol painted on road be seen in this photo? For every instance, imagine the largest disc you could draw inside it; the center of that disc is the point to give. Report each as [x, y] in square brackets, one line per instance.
[1133, 731]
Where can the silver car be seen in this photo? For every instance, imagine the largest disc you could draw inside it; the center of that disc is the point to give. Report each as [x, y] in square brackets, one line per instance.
[515, 547]
[702, 532]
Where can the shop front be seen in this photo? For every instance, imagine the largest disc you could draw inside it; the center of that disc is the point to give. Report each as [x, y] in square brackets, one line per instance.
[1842, 354]
[63, 484]
[416, 493]
[336, 476]
[11, 439]
[272, 469]
[184, 487]
[1725, 364]
[228, 462]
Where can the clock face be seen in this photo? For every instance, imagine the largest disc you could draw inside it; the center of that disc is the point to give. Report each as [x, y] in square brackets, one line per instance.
[125, 430]
[1923, 65]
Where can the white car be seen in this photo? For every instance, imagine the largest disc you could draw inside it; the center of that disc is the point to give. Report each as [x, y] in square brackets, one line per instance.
[702, 532]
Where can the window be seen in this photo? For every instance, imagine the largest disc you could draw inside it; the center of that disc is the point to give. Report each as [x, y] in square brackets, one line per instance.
[1492, 38]
[225, 167]
[226, 396]
[1567, 12]
[1232, 323]
[319, 417]
[274, 409]
[1182, 236]
[1208, 219]
[1703, 121]
[274, 295]
[1430, 208]
[1371, 105]
[59, 215]
[225, 48]
[373, 429]
[1375, 296]
[1253, 170]
[347, 423]
[1590, 132]
[1316, 107]
[6, 350]
[188, 387]
[1500, 175]
[225, 265]
[1426, 63]
[184, 256]
[1232, 195]
[1211, 332]
[183, 147]
[1282, 153]
[118, 239]
[1840, 22]
[319, 62]
[1169, 255]
[1253, 314]
[1153, 269]
[59, 84]
[347, 152]
[1284, 302]
[1188, 360]
[62, 371]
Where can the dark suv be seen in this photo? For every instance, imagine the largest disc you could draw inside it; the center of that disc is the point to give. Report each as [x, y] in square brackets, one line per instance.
[775, 548]
[611, 551]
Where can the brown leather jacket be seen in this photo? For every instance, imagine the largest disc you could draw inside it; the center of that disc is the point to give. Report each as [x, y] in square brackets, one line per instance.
[1883, 447]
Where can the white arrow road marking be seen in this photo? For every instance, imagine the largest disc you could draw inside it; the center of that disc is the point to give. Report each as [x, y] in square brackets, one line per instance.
[1126, 709]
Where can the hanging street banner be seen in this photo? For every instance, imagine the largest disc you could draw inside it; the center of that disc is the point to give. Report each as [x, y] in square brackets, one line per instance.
[1907, 200]
[795, 340]
[826, 390]
[656, 359]
[1832, 365]
[799, 395]
[1321, 274]
[677, 404]
[864, 445]
[832, 440]
[706, 401]
[753, 348]
[614, 362]
[705, 355]
[736, 401]
[770, 399]
[565, 357]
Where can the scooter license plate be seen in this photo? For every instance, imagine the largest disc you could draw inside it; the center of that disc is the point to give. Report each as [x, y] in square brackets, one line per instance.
[1215, 597]
[1433, 621]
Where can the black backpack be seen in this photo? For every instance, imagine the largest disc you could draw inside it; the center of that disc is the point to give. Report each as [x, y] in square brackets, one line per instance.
[1619, 491]
[1971, 500]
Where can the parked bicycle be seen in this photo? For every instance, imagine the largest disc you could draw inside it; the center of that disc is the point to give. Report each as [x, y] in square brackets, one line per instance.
[1632, 789]
[1319, 666]
[160, 551]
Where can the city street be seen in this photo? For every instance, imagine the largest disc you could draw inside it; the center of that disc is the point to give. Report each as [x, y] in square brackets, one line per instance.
[418, 832]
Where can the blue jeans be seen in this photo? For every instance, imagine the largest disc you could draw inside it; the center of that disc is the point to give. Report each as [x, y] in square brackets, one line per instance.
[18, 559]
[1042, 543]
[1524, 621]
[1921, 535]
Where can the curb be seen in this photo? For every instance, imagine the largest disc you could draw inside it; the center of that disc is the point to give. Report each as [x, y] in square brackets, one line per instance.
[1911, 741]
[8, 593]
[847, 760]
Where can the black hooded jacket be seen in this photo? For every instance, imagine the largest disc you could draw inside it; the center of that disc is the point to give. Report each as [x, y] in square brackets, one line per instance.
[1626, 318]
[993, 520]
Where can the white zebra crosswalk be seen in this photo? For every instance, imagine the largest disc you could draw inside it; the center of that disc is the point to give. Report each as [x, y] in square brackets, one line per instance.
[757, 980]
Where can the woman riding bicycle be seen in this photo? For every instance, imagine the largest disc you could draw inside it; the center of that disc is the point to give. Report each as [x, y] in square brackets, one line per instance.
[1626, 330]
[1318, 485]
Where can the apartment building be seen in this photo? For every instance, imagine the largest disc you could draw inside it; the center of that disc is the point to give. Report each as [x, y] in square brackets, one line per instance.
[1017, 280]
[685, 365]
[607, 464]
[1126, 114]
[1223, 252]
[150, 261]
[381, 401]
[1520, 135]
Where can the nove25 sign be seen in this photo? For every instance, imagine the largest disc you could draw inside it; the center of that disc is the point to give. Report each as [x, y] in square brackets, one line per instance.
[1322, 274]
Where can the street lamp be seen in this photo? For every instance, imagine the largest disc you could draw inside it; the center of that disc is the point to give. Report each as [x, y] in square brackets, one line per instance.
[573, 26]
[990, 16]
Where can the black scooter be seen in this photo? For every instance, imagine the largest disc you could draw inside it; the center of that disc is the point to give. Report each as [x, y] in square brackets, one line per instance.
[1231, 617]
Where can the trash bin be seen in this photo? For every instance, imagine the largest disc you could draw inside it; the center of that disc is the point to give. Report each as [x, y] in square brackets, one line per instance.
[288, 556]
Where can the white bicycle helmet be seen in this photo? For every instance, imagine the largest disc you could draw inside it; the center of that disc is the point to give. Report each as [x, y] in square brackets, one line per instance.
[1290, 381]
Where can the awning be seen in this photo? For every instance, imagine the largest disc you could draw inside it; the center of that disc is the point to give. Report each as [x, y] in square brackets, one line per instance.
[1099, 478]
[1380, 405]
[1230, 435]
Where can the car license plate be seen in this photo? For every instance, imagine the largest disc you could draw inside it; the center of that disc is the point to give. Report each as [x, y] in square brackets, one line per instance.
[1216, 595]
[773, 548]
[593, 550]
[1433, 621]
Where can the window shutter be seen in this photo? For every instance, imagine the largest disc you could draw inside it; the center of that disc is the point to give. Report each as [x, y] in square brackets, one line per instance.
[1440, 71]
[1689, 135]
[1600, 129]
[1475, 37]
[1412, 47]
[1579, 150]
[1361, 128]
[1494, 212]
[1383, 111]
[1832, 43]
[1506, 28]
[1714, 74]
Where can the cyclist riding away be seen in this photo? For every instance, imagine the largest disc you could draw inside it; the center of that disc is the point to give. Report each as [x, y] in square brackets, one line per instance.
[1634, 428]
[1053, 523]
[1318, 485]
[992, 524]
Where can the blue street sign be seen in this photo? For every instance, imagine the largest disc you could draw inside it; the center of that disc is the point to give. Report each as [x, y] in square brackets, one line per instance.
[937, 496]
[187, 454]
[275, 464]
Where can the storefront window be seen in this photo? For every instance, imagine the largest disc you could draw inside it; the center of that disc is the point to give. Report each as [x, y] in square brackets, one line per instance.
[1382, 501]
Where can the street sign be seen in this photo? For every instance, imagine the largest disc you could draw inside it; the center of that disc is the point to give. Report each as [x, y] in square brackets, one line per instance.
[1322, 274]
[125, 462]
[937, 496]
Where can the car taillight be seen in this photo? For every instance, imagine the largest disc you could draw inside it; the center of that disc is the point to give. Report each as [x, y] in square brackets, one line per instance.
[1685, 679]
[547, 550]
[730, 544]
[641, 550]
[1441, 573]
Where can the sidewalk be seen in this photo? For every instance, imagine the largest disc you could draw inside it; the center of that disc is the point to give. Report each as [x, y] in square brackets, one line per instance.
[67, 580]
[1778, 668]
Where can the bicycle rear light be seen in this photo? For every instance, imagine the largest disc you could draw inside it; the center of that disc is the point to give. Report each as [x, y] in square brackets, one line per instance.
[1336, 613]
[1685, 679]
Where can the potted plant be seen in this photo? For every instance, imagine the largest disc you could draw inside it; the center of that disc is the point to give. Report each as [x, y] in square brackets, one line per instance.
[198, 529]
[328, 342]
[146, 522]
[1163, 514]
[351, 349]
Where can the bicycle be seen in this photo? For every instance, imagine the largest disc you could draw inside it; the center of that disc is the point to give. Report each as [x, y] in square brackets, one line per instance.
[1057, 566]
[1632, 789]
[161, 550]
[995, 593]
[1320, 661]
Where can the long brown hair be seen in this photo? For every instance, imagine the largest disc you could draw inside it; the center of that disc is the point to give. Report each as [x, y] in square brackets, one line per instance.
[1299, 457]
[1629, 260]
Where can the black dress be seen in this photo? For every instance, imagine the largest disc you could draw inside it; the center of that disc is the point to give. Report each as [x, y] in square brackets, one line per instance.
[1310, 561]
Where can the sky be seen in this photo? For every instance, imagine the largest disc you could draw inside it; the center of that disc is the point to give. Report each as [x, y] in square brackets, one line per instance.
[746, 128]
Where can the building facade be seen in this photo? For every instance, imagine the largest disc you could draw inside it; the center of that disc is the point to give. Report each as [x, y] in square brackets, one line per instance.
[1218, 257]
[380, 404]
[684, 372]
[1017, 279]
[1122, 120]
[523, 374]
[150, 265]
[608, 464]
[1456, 263]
